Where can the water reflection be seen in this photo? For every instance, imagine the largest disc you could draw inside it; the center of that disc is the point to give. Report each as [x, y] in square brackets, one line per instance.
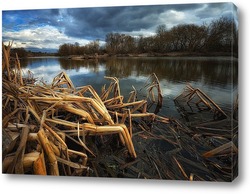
[48, 68]
[210, 71]
[67, 64]
[215, 76]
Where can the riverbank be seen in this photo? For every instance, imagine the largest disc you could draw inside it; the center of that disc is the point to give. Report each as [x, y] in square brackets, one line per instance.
[153, 54]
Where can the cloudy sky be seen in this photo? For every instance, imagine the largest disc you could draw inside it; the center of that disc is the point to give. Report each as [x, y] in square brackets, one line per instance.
[46, 29]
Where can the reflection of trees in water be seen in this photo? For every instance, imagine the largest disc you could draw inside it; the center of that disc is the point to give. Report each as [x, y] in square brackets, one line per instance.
[68, 64]
[210, 71]
[38, 62]
[220, 71]
[24, 62]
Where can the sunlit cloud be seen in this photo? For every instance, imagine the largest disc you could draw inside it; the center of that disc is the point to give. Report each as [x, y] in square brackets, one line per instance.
[47, 73]
[40, 37]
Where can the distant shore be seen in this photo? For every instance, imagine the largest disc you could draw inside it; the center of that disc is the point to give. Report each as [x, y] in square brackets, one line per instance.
[170, 54]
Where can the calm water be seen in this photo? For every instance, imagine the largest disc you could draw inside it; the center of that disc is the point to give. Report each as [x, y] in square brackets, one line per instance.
[216, 76]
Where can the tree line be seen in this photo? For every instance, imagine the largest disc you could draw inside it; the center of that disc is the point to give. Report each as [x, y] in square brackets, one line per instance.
[22, 53]
[75, 49]
[220, 35]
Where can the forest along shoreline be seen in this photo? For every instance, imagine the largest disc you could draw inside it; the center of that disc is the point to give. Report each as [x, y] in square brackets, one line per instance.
[172, 54]
[132, 55]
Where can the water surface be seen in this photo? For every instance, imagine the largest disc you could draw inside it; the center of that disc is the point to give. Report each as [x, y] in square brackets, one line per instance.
[216, 76]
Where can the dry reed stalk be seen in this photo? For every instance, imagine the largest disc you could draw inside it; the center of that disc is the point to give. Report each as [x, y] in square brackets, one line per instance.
[17, 163]
[199, 93]
[105, 93]
[204, 101]
[9, 117]
[59, 136]
[9, 138]
[92, 91]
[134, 115]
[28, 161]
[130, 123]
[71, 131]
[71, 164]
[134, 169]
[62, 79]
[19, 70]
[227, 148]
[154, 84]
[49, 152]
[55, 148]
[208, 98]
[47, 127]
[39, 166]
[181, 168]
[127, 104]
[116, 87]
[109, 129]
[160, 97]
[83, 155]
[100, 109]
[83, 143]
[114, 100]
[133, 95]
[82, 113]
[126, 115]
[32, 137]
[160, 137]
[6, 61]
[62, 122]
[191, 177]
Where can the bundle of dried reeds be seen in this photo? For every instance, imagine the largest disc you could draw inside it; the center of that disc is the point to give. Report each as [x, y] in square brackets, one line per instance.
[45, 116]
[57, 129]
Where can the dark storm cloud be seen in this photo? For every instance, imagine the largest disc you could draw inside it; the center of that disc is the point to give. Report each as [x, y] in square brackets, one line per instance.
[213, 9]
[100, 21]
[22, 19]
[93, 23]
[86, 24]
[185, 7]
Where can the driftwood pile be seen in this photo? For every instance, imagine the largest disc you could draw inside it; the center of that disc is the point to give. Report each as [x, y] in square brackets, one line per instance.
[58, 129]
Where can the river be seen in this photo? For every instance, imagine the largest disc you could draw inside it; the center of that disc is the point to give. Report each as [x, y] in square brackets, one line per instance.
[216, 76]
